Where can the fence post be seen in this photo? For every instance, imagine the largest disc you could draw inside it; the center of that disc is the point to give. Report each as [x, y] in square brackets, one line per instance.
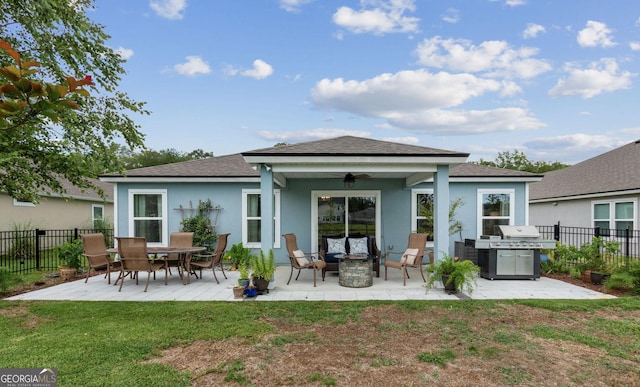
[556, 231]
[596, 232]
[627, 246]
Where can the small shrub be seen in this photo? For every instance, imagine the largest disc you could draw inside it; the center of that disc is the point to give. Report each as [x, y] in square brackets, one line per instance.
[626, 278]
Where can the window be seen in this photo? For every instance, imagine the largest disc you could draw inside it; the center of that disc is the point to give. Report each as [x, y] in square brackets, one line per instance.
[148, 215]
[252, 218]
[618, 215]
[22, 203]
[422, 211]
[97, 216]
[495, 209]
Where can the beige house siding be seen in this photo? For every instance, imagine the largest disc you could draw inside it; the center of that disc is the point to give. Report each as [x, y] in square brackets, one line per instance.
[50, 213]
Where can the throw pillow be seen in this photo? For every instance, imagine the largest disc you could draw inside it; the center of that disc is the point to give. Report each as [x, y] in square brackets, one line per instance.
[409, 256]
[358, 246]
[336, 246]
[300, 257]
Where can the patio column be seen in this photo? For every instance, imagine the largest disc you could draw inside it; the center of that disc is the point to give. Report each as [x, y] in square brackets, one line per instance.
[441, 211]
[266, 208]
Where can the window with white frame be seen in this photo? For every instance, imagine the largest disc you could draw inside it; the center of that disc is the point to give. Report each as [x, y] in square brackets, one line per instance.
[422, 211]
[97, 215]
[148, 215]
[252, 218]
[22, 203]
[614, 214]
[496, 208]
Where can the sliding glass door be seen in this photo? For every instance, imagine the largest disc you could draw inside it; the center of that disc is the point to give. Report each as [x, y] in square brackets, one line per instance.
[345, 213]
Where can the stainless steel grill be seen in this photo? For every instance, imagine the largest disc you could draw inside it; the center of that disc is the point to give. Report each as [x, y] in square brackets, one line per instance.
[513, 254]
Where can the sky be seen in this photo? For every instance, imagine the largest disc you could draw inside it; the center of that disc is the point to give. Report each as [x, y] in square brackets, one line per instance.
[555, 79]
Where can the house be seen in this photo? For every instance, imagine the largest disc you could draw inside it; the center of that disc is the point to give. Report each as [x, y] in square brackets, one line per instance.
[78, 208]
[599, 192]
[340, 185]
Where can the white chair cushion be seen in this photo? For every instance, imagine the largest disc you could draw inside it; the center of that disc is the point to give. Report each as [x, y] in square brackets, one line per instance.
[409, 256]
[358, 246]
[300, 257]
[336, 246]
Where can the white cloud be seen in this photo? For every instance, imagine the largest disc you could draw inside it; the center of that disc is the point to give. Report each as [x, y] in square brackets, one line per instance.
[595, 34]
[580, 146]
[452, 15]
[533, 30]
[310, 135]
[293, 5]
[193, 66]
[260, 70]
[635, 46]
[601, 76]
[125, 53]
[515, 3]
[493, 58]
[169, 9]
[378, 17]
[422, 102]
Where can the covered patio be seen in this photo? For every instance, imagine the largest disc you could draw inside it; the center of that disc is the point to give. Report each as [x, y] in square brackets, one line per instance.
[206, 289]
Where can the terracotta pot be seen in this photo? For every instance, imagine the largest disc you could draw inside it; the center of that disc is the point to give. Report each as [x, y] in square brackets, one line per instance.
[66, 272]
[238, 291]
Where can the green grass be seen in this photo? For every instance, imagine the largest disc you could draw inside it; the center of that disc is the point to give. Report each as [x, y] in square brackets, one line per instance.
[106, 343]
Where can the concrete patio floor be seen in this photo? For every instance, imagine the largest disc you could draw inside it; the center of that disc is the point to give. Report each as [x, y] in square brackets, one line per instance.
[206, 289]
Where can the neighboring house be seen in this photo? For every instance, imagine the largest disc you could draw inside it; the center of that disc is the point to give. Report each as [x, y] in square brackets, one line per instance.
[301, 188]
[77, 208]
[600, 192]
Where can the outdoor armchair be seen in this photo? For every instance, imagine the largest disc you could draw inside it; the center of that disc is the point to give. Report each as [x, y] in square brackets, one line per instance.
[300, 260]
[411, 257]
[135, 258]
[95, 250]
[178, 239]
[210, 261]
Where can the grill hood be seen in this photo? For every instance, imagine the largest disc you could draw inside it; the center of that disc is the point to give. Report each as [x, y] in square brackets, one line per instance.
[519, 232]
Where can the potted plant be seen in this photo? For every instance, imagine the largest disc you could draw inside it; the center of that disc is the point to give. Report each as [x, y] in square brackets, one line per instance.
[456, 275]
[70, 257]
[237, 255]
[244, 275]
[263, 267]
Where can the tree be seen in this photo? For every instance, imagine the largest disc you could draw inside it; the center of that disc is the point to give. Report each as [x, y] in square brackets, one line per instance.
[76, 142]
[518, 161]
[149, 157]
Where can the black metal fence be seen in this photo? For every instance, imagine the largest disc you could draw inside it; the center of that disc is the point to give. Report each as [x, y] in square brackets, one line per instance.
[22, 251]
[578, 236]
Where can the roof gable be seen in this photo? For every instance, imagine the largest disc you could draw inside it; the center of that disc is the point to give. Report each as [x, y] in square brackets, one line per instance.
[614, 171]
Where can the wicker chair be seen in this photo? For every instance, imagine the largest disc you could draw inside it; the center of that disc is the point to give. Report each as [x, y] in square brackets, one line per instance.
[95, 249]
[411, 257]
[210, 261]
[300, 261]
[178, 239]
[134, 259]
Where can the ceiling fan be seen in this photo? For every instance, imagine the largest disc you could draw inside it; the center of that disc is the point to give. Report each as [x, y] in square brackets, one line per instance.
[350, 179]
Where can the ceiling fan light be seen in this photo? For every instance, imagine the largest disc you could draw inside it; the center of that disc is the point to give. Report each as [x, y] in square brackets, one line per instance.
[349, 180]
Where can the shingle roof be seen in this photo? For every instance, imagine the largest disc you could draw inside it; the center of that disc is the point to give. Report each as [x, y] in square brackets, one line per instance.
[350, 145]
[222, 166]
[614, 171]
[82, 193]
[476, 170]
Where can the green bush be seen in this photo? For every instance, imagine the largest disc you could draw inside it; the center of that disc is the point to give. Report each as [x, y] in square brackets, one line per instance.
[200, 225]
[626, 278]
[70, 253]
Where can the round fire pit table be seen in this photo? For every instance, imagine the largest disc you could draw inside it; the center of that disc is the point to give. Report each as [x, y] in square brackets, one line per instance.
[355, 271]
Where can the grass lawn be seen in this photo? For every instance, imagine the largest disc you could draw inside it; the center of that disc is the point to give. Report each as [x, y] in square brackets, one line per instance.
[456, 343]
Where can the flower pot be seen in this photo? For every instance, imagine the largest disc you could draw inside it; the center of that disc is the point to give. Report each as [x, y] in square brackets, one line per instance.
[261, 283]
[251, 291]
[449, 288]
[238, 291]
[586, 276]
[597, 278]
[243, 282]
[67, 273]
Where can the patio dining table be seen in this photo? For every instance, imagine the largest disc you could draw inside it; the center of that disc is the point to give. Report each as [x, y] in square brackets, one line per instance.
[182, 252]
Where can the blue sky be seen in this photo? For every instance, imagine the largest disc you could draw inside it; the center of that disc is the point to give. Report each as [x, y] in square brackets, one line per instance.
[556, 79]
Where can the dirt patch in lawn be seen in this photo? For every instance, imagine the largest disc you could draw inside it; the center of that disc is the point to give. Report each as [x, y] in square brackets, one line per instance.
[393, 346]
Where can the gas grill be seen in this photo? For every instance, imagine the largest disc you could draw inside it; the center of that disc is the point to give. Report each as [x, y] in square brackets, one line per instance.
[513, 254]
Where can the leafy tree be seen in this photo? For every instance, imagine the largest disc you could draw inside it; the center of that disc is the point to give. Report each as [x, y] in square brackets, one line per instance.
[149, 158]
[69, 141]
[518, 161]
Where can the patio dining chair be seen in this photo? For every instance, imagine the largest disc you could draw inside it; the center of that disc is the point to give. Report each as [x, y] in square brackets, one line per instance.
[210, 261]
[411, 257]
[134, 258]
[95, 250]
[300, 260]
[178, 239]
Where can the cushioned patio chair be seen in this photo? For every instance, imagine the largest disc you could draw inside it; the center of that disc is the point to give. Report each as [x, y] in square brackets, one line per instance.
[210, 261]
[95, 249]
[300, 260]
[411, 257]
[134, 258]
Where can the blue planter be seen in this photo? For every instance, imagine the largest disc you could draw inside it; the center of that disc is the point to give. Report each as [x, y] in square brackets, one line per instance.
[251, 292]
